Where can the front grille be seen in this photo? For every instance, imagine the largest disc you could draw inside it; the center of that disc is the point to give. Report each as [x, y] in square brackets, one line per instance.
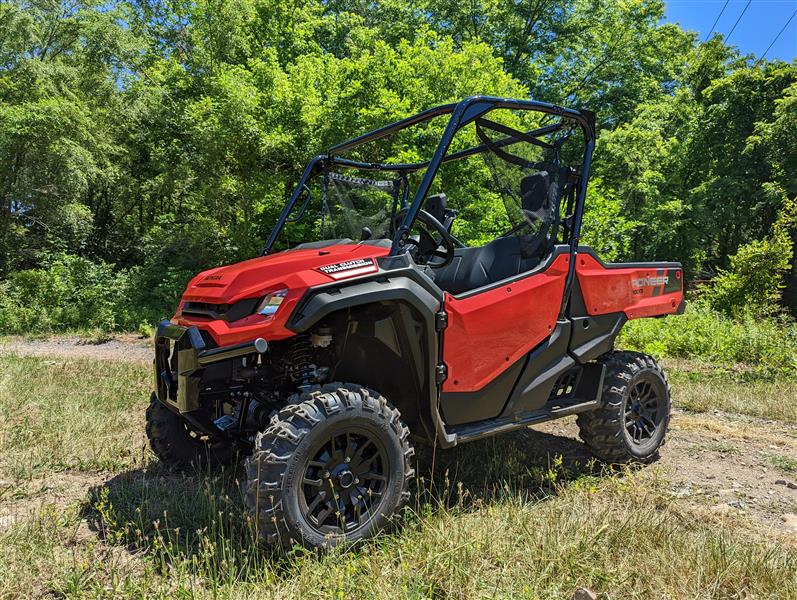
[226, 312]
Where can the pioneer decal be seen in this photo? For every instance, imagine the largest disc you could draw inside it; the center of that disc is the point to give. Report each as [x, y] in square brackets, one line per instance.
[650, 281]
[349, 268]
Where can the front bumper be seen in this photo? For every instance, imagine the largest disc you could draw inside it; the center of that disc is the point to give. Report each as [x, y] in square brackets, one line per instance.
[181, 355]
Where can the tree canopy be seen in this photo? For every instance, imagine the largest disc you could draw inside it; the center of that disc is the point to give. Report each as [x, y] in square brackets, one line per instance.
[160, 137]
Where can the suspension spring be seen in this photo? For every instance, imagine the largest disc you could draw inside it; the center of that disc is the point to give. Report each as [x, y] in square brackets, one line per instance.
[301, 367]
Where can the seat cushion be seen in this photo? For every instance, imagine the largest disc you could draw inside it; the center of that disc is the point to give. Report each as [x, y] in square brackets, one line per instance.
[473, 268]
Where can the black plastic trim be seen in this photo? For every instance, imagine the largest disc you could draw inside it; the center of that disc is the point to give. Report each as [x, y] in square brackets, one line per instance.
[403, 283]
[324, 300]
[594, 335]
[466, 407]
[587, 397]
[225, 312]
[543, 367]
[491, 427]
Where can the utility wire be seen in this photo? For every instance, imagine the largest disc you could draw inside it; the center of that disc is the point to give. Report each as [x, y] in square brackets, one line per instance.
[710, 31]
[779, 34]
[744, 10]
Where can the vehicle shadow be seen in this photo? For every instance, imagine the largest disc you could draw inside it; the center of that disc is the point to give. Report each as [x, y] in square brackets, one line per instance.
[528, 463]
[197, 516]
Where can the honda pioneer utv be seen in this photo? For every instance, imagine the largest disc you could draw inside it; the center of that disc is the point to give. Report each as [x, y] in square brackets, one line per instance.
[368, 328]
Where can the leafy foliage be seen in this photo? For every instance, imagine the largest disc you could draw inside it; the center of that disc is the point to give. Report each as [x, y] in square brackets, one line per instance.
[152, 139]
[754, 283]
[767, 346]
[69, 292]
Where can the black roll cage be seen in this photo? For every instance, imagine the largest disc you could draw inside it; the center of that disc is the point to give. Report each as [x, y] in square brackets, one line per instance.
[462, 113]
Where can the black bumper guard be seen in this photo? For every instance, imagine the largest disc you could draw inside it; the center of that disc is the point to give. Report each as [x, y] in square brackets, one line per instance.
[180, 356]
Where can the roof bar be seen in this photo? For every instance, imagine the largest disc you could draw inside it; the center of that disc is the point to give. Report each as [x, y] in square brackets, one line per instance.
[412, 167]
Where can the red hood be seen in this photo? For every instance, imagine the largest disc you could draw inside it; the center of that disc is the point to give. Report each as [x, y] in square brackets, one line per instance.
[295, 270]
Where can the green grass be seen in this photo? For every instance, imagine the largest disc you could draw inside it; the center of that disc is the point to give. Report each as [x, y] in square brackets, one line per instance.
[61, 415]
[506, 517]
[616, 536]
[703, 388]
[784, 463]
[760, 347]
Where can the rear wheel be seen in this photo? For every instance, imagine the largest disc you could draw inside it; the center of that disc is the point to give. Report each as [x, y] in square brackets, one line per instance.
[631, 423]
[333, 466]
[178, 446]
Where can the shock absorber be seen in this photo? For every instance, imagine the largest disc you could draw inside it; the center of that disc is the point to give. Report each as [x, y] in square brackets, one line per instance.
[302, 369]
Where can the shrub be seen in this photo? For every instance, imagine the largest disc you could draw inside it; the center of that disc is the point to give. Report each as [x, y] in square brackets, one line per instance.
[71, 292]
[754, 283]
[767, 345]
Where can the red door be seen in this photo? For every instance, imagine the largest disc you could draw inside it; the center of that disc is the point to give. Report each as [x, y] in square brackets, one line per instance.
[490, 330]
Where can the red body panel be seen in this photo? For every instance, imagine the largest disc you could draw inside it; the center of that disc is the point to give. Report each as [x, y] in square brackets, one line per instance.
[489, 331]
[294, 270]
[638, 292]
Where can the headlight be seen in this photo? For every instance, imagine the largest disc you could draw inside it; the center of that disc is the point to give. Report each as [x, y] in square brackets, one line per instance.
[270, 304]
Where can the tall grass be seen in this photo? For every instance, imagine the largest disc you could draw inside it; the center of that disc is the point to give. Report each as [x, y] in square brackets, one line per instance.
[615, 535]
[527, 515]
[763, 346]
[79, 415]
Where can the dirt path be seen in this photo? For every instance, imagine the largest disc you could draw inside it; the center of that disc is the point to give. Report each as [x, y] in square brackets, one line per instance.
[724, 464]
[121, 347]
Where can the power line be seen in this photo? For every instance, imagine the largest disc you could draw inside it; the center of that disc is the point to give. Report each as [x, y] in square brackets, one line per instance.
[779, 34]
[710, 31]
[744, 10]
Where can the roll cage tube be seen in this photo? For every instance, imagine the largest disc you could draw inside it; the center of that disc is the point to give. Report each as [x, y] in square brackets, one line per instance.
[462, 113]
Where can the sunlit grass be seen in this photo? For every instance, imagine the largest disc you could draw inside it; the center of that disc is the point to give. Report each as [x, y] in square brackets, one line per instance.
[62, 414]
[525, 515]
[615, 534]
[701, 388]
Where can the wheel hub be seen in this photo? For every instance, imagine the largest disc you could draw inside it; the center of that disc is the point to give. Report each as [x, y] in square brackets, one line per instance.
[642, 416]
[343, 482]
[346, 479]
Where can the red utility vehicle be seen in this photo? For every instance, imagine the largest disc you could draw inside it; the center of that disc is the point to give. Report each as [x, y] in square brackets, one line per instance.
[325, 362]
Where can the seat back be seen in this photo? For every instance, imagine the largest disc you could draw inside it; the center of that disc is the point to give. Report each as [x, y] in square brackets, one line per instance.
[505, 257]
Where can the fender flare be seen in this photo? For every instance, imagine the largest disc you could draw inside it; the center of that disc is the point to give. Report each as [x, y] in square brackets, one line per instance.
[397, 286]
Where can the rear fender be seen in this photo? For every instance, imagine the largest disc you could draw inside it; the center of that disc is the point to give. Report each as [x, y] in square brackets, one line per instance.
[650, 289]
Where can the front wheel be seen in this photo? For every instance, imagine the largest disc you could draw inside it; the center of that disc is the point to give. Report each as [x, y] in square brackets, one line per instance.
[334, 466]
[177, 446]
[632, 420]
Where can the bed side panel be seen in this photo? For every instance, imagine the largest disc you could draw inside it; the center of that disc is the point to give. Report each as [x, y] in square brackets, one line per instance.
[639, 289]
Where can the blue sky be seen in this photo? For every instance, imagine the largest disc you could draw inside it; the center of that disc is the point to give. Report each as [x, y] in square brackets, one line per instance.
[759, 25]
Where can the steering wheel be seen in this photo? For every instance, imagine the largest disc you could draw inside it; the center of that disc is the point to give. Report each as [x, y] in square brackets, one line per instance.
[427, 248]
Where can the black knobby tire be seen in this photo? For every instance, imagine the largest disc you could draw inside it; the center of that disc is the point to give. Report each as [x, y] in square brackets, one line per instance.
[177, 447]
[631, 422]
[310, 460]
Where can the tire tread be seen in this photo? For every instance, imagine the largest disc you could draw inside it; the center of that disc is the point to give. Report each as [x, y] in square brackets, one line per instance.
[267, 465]
[602, 429]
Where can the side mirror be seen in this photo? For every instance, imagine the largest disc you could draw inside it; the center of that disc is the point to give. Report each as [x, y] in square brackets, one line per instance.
[365, 234]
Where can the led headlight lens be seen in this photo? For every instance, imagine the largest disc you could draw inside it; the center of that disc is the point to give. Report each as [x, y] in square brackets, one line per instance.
[271, 303]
